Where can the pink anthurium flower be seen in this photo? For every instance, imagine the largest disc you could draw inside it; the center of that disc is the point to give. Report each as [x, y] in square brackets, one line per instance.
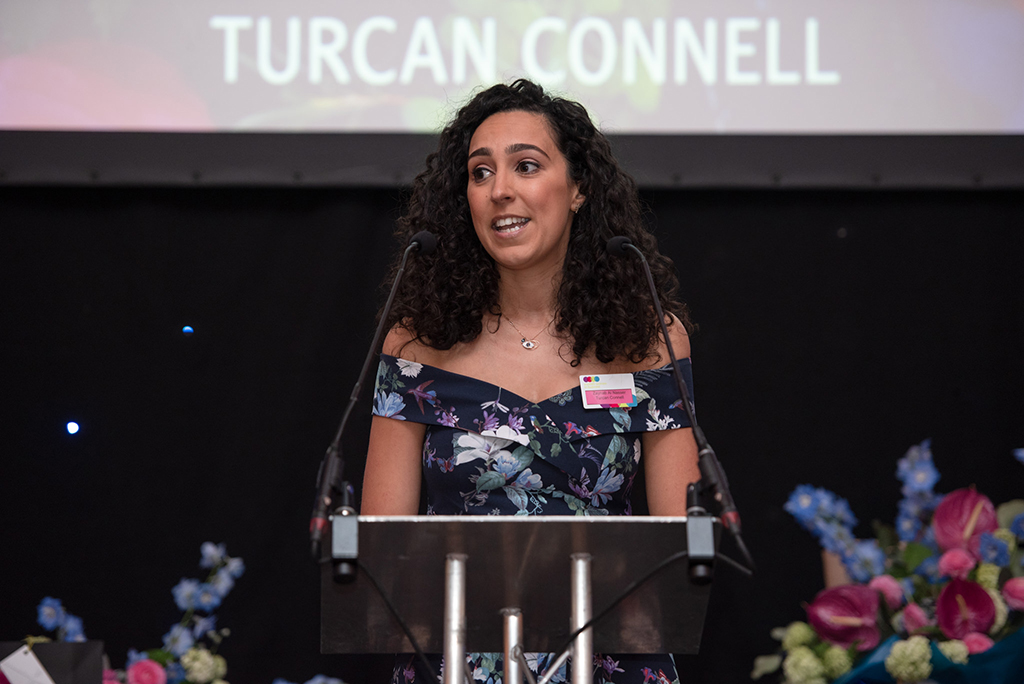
[1013, 593]
[961, 518]
[977, 643]
[964, 607]
[846, 616]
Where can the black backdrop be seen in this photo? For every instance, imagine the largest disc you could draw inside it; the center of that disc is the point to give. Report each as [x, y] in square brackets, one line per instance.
[837, 328]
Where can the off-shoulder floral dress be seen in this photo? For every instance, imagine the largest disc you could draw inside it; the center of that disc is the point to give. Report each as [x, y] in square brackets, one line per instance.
[489, 451]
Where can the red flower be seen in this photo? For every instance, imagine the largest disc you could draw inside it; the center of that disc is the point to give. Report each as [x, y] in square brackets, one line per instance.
[846, 616]
[1013, 593]
[977, 643]
[961, 518]
[964, 607]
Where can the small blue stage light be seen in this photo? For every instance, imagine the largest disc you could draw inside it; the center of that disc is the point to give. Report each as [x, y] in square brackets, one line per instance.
[72, 427]
[187, 330]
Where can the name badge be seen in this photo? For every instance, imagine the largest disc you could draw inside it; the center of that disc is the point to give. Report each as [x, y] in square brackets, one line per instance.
[614, 390]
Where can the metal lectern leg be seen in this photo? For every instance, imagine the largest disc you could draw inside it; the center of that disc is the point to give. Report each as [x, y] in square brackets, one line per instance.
[454, 618]
[513, 618]
[583, 647]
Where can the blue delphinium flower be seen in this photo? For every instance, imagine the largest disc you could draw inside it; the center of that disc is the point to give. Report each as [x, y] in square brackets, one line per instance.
[134, 657]
[922, 478]
[175, 673]
[865, 560]
[843, 514]
[51, 613]
[908, 526]
[207, 597]
[1019, 454]
[236, 567]
[803, 504]
[178, 640]
[213, 554]
[994, 550]
[833, 537]
[929, 569]
[1017, 526]
[222, 582]
[185, 593]
[202, 625]
[72, 628]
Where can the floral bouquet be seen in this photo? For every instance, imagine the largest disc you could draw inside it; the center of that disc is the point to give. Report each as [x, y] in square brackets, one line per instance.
[189, 654]
[938, 596]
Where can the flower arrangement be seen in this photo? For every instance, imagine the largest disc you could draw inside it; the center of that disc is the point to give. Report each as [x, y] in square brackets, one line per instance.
[939, 595]
[189, 652]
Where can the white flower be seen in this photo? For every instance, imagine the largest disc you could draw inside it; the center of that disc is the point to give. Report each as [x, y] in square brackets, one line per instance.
[505, 432]
[200, 665]
[636, 451]
[478, 446]
[409, 369]
[658, 422]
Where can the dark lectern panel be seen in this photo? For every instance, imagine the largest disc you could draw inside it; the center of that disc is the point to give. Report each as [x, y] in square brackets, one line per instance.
[521, 562]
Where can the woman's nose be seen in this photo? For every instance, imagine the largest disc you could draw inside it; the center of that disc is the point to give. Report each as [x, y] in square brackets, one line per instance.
[502, 190]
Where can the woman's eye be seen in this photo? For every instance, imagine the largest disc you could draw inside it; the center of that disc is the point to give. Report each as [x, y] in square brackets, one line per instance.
[479, 173]
[527, 167]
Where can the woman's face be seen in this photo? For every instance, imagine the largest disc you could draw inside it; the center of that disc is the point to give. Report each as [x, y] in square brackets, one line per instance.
[520, 194]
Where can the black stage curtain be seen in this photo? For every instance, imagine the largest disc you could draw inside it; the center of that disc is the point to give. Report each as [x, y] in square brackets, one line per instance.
[837, 328]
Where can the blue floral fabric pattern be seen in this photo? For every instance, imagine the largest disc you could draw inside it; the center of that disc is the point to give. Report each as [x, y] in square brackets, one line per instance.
[488, 451]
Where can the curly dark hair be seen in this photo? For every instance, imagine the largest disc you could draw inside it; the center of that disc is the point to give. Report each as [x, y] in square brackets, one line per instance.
[444, 295]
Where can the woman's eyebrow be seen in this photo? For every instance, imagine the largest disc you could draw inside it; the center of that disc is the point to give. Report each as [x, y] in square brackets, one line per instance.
[511, 149]
[519, 147]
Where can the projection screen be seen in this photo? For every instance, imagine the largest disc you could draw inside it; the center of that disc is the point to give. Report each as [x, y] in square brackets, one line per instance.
[741, 70]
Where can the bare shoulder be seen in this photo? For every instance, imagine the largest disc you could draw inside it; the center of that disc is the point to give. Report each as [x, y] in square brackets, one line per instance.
[680, 345]
[402, 341]
[679, 337]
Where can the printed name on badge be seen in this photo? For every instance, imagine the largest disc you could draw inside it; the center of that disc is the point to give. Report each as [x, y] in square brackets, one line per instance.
[614, 390]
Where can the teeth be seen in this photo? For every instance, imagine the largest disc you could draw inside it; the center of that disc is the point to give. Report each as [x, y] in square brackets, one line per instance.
[511, 221]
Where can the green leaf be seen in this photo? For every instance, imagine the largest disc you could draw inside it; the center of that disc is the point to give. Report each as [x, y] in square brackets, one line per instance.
[556, 449]
[1008, 511]
[886, 534]
[523, 456]
[160, 656]
[490, 480]
[915, 554]
[765, 665]
[616, 448]
[621, 417]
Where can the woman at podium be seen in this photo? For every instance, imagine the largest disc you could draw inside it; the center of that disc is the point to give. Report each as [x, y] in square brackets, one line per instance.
[525, 372]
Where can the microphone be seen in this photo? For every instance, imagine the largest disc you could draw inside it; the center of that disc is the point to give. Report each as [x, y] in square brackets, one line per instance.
[333, 466]
[711, 471]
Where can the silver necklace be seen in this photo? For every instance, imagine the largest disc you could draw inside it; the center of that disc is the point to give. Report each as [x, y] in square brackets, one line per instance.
[527, 342]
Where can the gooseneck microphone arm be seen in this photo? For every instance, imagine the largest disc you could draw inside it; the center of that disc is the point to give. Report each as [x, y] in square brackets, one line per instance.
[333, 465]
[712, 475]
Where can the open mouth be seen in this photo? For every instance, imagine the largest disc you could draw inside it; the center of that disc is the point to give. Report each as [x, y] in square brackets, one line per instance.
[509, 224]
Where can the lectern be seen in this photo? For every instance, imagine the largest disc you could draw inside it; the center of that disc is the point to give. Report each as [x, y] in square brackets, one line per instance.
[529, 579]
